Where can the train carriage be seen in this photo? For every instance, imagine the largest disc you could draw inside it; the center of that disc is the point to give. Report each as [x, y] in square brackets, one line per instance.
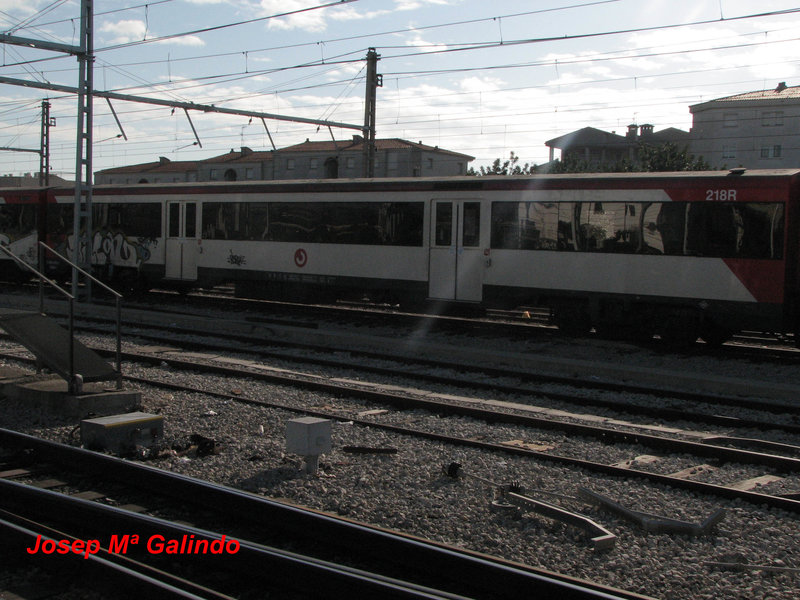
[678, 255]
[21, 215]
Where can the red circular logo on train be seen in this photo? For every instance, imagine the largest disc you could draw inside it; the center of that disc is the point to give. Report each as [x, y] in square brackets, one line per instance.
[300, 258]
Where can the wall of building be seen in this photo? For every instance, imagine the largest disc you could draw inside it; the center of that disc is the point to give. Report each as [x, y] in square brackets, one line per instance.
[754, 135]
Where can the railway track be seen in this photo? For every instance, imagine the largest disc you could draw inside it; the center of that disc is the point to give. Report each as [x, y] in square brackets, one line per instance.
[636, 457]
[519, 325]
[45, 497]
[263, 335]
[772, 458]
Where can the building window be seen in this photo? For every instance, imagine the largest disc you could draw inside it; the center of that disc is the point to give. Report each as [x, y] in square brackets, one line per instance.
[730, 120]
[773, 118]
[351, 162]
[313, 164]
[729, 151]
[250, 173]
[771, 151]
[213, 175]
[290, 164]
[430, 163]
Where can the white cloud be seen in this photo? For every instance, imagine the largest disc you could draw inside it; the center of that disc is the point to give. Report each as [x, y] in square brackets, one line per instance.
[126, 31]
[312, 20]
[417, 4]
[122, 32]
[317, 20]
[416, 41]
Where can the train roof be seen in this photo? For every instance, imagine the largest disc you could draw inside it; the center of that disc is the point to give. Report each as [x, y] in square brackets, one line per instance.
[465, 183]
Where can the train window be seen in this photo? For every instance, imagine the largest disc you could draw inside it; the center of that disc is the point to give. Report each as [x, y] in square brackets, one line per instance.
[224, 221]
[60, 218]
[174, 219]
[733, 230]
[525, 225]
[191, 219]
[402, 223]
[142, 220]
[137, 219]
[372, 223]
[258, 220]
[721, 229]
[543, 219]
[713, 230]
[609, 227]
[505, 226]
[471, 226]
[565, 235]
[663, 228]
[17, 219]
[444, 224]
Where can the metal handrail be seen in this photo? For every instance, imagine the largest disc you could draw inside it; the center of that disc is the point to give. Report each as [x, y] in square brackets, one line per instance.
[63, 292]
[117, 298]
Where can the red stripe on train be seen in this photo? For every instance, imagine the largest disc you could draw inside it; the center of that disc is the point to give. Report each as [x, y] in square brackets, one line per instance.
[764, 279]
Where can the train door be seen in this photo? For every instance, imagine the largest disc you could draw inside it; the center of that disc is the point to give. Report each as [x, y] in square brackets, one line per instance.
[456, 255]
[181, 243]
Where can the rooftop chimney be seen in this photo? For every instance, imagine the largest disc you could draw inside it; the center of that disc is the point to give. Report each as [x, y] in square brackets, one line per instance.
[781, 86]
[632, 131]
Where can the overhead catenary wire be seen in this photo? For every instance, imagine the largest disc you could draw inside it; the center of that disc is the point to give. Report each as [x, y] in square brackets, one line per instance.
[233, 76]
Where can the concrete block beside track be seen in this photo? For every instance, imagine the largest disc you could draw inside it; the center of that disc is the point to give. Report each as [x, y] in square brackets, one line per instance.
[48, 394]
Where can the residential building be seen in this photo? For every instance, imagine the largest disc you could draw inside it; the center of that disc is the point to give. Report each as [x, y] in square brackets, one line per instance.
[755, 130]
[308, 160]
[603, 150]
[29, 180]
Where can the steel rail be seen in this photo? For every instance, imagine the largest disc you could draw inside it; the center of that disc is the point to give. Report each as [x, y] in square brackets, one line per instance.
[605, 434]
[289, 570]
[787, 502]
[749, 403]
[94, 568]
[469, 573]
[658, 412]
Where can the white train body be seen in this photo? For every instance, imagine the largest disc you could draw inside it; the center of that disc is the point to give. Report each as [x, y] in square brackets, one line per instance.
[719, 250]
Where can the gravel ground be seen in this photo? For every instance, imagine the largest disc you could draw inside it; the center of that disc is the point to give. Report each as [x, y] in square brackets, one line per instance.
[408, 490]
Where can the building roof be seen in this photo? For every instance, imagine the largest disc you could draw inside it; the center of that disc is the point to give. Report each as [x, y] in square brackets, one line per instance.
[592, 137]
[244, 154]
[163, 165]
[588, 136]
[780, 93]
[29, 179]
[357, 145]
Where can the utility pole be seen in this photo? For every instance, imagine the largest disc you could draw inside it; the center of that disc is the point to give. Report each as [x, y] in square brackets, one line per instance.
[374, 81]
[44, 146]
[82, 223]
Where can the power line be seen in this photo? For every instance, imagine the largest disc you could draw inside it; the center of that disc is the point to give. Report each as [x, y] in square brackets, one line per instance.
[510, 43]
[225, 26]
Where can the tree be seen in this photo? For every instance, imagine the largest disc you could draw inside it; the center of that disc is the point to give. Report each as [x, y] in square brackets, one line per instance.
[663, 157]
[508, 167]
[668, 157]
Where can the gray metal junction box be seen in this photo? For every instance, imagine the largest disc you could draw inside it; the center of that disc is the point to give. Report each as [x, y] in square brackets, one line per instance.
[121, 434]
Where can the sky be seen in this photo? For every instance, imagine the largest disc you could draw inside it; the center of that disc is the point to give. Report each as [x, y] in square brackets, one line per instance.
[481, 78]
